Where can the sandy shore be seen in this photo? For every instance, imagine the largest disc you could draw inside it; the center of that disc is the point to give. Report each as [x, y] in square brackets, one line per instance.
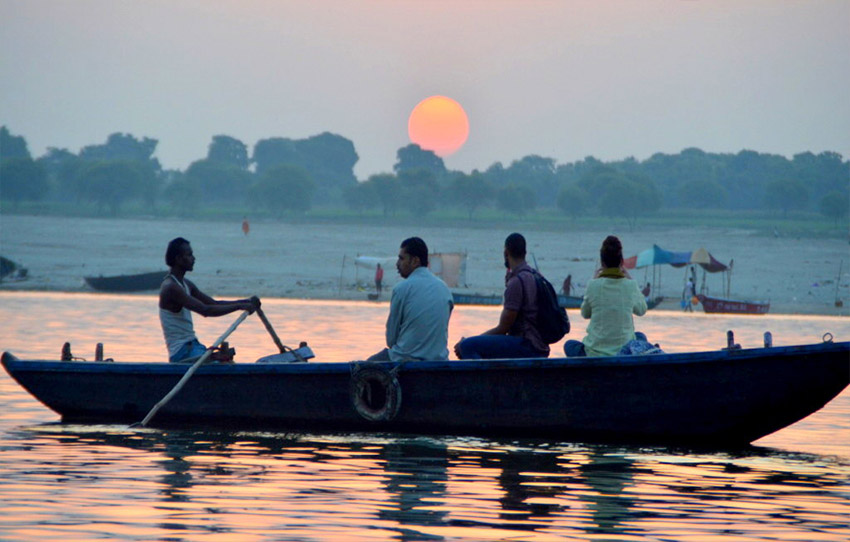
[316, 261]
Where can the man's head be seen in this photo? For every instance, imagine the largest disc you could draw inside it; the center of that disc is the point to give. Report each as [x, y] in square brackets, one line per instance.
[514, 248]
[611, 252]
[179, 254]
[412, 254]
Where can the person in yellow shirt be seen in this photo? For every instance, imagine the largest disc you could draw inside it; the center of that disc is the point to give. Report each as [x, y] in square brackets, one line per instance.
[611, 298]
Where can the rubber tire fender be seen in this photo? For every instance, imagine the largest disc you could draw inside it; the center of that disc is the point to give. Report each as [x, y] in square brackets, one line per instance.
[368, 386]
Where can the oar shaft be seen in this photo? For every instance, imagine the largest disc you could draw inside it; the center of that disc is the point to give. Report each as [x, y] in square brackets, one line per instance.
[270, 329]
[192, 369]
[283, 348]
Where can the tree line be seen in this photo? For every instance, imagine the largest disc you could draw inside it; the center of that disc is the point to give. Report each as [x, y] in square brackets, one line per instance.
[290, 176]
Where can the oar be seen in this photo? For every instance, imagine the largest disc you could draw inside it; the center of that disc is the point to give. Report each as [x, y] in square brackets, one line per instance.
[192, 370]
[275, 338]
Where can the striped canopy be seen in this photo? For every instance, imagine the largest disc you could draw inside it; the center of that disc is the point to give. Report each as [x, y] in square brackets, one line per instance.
[658, 256]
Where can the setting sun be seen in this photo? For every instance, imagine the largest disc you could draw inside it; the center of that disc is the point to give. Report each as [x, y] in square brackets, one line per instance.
[438, 124]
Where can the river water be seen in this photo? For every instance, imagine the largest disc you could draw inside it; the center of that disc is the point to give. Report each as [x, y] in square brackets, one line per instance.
[85, 482]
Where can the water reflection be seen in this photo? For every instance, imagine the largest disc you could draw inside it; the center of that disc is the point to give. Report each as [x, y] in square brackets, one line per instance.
[387, 487]
[417, 474]
[607, 476]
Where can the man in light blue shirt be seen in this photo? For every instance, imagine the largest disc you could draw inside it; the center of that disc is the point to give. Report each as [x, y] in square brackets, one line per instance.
[418, 324]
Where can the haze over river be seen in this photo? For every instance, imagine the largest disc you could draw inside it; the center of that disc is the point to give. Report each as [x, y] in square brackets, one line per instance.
[85, 482]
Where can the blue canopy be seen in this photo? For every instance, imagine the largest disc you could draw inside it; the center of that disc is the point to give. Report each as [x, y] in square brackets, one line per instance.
[658, 256]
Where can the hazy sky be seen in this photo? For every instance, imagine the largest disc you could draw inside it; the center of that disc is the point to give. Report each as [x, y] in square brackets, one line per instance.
[564, 79]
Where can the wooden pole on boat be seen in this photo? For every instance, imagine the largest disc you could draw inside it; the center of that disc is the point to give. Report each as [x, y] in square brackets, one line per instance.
[192, 370]
[270, 329]
[282, 347]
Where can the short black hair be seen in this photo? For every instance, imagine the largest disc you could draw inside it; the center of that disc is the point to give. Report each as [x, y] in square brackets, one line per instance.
[173, 250]
[515, 244]
[416, 247]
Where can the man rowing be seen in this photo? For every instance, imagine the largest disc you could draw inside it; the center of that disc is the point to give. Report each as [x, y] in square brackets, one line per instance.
[179, 297]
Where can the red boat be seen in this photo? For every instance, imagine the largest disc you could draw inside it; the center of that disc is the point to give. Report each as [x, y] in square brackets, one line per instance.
[715, 304]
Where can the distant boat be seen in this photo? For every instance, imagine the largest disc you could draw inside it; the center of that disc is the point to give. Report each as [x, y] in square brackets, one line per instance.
[128, 283]
[11, 271]
[565, 301]
[716, 304]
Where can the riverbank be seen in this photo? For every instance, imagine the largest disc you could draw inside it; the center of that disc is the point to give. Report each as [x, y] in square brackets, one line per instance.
[316, 260]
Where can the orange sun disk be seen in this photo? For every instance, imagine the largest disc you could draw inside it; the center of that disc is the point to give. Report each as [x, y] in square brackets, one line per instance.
[438, 124]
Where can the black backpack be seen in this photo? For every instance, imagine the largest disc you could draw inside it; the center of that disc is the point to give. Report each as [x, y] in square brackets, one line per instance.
[552, 320]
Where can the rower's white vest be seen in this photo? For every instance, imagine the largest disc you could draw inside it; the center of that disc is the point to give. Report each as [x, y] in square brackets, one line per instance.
[177, 326]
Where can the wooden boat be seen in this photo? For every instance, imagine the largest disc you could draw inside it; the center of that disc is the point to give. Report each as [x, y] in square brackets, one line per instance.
[716, 304]
[565, 301]
[720, 398]
[127, 283]
[11, 271]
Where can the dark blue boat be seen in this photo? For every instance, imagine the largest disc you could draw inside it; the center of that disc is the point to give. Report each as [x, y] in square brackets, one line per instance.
[565, 301]
[720, 398]
[128, 283]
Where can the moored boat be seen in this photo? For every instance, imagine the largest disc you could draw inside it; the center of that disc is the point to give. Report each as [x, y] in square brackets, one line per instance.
[718, 398]
[127, 283]
[716, 304]
[565, 301]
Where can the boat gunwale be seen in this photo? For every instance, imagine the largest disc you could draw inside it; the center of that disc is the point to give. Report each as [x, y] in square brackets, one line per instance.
[12, 363]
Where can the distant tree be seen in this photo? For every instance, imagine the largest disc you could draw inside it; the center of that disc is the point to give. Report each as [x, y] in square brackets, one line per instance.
[497, 175]
[538, 174]
[330, 160]
[12, 146]
[228, 150]
[787, 195]
[822, 173]
[572, 200]
[697, 194]
[219, 181]
[22, 179]
[360, 197]
[182, 194]
[327, 157]
[630, 197]
[472, 191]
[63, 170]
[419, 190]
[150, 182]
[284, 188]
[123, 147]
[415, 157]
[516, 199]
[835, 205]
[595, 181]
[389, 191]
[109, 183]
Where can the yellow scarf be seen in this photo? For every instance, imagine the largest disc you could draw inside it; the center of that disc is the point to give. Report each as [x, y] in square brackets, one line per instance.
[612, 273]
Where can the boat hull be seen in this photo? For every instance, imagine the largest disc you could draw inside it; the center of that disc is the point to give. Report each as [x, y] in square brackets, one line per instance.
[711, 398]
[564, 301]
[128, 283]
[717, 305]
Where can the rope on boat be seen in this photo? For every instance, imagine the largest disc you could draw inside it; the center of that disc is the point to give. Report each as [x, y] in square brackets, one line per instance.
[827, 337]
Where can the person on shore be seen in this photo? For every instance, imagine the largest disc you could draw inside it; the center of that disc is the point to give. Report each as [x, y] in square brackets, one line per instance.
[179, 297]
[568, 285]
[688, 295]
[379, 277]
[611, 298]
[516, 335]
[646, 291]
[420, 308]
